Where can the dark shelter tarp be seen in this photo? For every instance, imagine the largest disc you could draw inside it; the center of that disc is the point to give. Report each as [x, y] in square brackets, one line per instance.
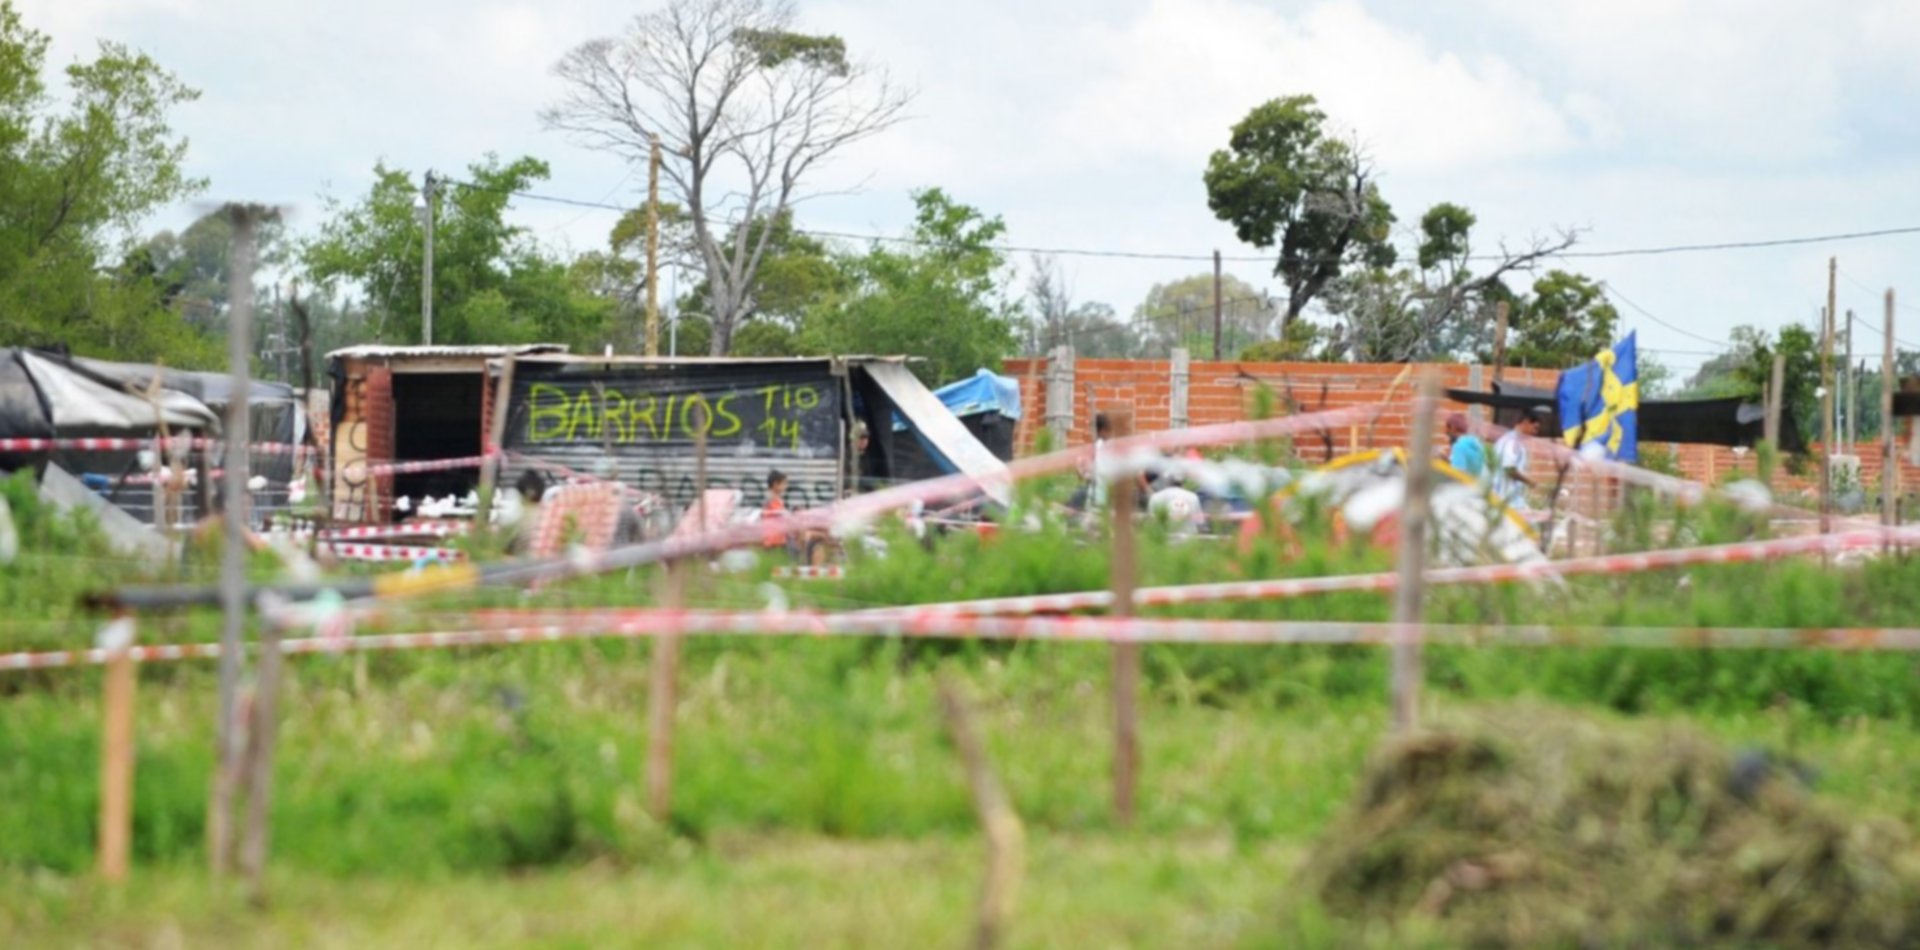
[1732, 421]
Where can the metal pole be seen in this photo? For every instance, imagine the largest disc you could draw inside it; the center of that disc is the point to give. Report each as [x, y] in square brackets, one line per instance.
[1216, 307]
[426, 272]
[233, 560]
[653, 249]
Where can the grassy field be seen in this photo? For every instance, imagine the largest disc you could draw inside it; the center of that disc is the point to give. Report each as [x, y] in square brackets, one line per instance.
[493, 796]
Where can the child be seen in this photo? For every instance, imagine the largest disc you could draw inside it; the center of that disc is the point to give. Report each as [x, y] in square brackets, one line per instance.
[775, 508]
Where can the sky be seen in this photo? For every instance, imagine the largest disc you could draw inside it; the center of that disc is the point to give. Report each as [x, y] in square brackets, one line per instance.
[1085, 124]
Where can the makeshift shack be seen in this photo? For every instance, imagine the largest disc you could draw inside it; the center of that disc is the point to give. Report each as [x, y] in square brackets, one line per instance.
[1730, 421]
[408, 404]
[988, 405]
[49, 395]
[794, 415]
[434, 406]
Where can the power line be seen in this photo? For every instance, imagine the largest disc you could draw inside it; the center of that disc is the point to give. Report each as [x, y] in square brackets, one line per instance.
[1612, 291]
[1263, 259]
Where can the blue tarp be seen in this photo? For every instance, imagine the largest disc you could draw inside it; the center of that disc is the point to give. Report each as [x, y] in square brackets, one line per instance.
[984, 391]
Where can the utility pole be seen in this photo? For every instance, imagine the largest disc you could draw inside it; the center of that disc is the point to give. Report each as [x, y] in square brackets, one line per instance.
[1216, 306]
[1890, 463]
[1826, 400]
[1850, 389]
[426, 272]
[653, 248]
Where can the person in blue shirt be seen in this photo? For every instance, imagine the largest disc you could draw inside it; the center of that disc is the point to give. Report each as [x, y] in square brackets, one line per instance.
[1469, 454]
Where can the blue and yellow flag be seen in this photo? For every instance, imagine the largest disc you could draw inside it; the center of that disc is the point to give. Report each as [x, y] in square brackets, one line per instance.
[1599, 402]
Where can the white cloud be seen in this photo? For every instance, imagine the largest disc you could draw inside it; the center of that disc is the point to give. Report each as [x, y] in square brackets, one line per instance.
[1170, 82]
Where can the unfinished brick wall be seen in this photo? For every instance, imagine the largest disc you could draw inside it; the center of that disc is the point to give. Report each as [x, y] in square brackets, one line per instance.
[1223, 392]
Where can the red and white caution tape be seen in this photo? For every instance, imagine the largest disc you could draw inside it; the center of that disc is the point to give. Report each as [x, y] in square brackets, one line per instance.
[555, 626]
[392, 552]
[123, 444]
[359, 469]
[1482, 574]
[375, 532]
[810, 572]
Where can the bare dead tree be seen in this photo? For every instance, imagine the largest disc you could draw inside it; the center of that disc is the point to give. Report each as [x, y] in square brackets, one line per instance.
[1397, 319]
[744, 108]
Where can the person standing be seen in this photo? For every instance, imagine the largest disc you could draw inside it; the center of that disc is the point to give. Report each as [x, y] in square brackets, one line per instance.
[1468, 454]
[1510, 480]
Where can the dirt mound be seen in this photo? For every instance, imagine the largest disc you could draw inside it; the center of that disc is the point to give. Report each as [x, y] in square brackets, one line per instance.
[1531, 826]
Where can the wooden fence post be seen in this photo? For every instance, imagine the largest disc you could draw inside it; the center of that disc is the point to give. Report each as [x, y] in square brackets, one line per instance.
[1890, 460]
[1126, 656]
[1409, 597]
[262, 738]
[1006, 839]
[663, 679]
[116, 750]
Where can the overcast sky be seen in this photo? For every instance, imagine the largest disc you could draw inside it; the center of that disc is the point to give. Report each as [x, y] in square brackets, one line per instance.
[1086, 123]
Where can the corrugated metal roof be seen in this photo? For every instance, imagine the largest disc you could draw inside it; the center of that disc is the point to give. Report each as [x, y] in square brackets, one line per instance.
[627, 359]
[380, 351]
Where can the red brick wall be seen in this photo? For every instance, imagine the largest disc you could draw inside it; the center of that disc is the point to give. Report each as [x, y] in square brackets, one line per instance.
[378, 413]
[1223, 392]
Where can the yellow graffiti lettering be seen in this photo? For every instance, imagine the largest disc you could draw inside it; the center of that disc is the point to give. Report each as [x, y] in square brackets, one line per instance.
[546, 412]
[666, 418]
[732, 426]
[583, 412]
[769, 392]
[806, 397]
[640, 409]
[613, 407]
[696, 425]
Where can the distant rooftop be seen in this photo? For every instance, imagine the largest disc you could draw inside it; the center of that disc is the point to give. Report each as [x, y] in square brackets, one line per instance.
[382, 351]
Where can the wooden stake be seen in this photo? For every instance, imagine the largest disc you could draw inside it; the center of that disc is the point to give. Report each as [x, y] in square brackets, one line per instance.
[1126, 656]
[662, 696]
[1410, 595]
[1890, 462]
[1006, 839]
[1776, 397]
[1499, 340]
[116, 750]
[220, 838]
[1826, 401]
[663, 677]
[496, 434]
[262, 736]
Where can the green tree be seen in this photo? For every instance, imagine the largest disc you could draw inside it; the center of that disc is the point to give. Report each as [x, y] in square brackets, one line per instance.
[1564, 323]
[798, 270]
[1441, 308]
[1746, 369]
[492, 282]
[1281, 182]
[1053, 318]
[76, 173]
[1180, 313]
[940, 296]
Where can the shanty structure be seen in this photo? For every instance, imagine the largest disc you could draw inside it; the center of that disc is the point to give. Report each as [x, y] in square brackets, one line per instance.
[637, 419]
[408, 404]
[50, 395]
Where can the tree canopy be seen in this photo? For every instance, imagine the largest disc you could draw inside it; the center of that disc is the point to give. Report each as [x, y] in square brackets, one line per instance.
[937, 295]
[78, 172]
[745, 109]
[1282, 182]
[492, 282]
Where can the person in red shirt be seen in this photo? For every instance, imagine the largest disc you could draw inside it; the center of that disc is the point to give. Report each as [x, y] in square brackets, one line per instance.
[776, 507]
